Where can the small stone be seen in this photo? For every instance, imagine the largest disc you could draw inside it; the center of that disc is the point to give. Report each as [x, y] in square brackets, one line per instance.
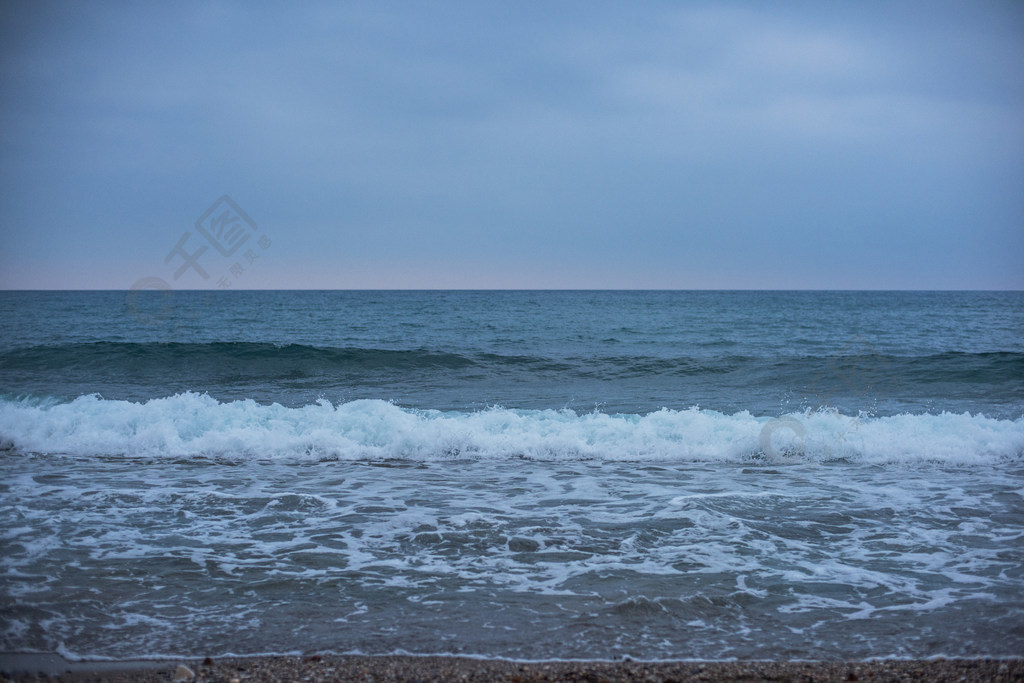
[183, 673]
[208, 662]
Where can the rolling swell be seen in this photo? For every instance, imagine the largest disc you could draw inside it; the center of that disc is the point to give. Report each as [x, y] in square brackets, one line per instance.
[141, 355]
[296, 374]
[273, 359]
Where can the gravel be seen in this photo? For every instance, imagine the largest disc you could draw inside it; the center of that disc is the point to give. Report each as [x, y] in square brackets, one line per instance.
[410, 669]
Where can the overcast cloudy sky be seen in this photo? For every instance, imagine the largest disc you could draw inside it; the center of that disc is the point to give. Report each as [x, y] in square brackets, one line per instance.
[515, 144]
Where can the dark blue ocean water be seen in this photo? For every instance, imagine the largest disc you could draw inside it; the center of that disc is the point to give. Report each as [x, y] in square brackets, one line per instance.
[634, 352]
[518, 474]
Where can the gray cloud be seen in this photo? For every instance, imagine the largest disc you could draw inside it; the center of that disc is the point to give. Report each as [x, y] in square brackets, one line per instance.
[586, 145]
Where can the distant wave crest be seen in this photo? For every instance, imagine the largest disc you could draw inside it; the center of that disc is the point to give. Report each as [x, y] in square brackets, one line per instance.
[221, 359]
[252, 354]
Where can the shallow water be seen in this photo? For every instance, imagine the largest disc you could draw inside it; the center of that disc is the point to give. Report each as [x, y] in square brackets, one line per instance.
[514, 559]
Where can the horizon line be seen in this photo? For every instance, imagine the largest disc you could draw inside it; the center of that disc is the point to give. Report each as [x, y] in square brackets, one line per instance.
[509, 289]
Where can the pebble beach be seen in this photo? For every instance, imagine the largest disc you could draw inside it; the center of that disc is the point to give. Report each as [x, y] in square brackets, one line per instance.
[424, 669]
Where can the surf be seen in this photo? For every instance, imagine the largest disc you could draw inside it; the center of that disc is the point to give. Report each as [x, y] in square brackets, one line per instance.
[193, 425]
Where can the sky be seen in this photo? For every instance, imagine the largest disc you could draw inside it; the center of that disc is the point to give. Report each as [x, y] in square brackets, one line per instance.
[650, 145]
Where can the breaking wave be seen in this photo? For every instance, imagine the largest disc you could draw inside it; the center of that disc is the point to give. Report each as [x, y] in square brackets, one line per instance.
[191, 425]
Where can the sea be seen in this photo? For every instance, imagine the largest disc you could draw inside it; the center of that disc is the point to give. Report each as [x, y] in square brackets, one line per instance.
[655, 475]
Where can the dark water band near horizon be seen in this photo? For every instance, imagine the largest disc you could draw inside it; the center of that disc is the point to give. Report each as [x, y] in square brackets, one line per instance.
[531, 475]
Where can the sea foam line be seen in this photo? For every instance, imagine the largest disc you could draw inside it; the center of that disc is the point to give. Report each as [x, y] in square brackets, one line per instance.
[196, 425]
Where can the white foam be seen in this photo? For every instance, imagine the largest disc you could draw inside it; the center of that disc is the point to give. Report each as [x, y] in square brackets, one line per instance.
[194, 425]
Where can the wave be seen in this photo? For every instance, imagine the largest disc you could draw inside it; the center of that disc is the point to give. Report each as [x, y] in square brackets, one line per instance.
[300, 360]
[196, 426]
[161, 354]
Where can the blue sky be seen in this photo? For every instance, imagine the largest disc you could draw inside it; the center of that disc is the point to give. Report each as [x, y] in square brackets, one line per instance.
[523, 145]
